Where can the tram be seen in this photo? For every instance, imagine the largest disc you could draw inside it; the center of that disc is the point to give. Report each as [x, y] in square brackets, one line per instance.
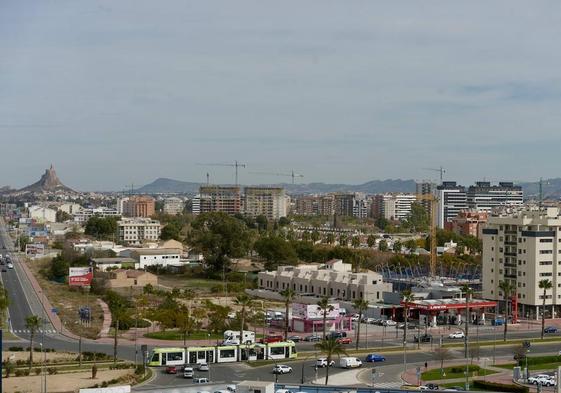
[222, 354]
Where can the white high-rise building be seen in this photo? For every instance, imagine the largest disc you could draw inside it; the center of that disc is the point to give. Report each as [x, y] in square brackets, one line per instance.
[485, 197]
[451, 200]
[270, 202]
[138, 230]
[173, 206]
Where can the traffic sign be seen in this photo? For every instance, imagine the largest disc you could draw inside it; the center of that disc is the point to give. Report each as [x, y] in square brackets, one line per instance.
[54, 310]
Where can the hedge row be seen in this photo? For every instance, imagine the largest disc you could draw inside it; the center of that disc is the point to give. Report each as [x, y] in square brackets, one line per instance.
[499, 387]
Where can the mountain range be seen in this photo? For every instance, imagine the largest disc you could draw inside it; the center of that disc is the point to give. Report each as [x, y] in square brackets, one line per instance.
[551, 187]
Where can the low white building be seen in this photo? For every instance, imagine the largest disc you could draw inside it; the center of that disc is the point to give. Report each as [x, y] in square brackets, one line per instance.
[138, 230]
[83, 215]
[42, 214]
[333, 279]
[160, 256]
[173, 206]
[70, 208]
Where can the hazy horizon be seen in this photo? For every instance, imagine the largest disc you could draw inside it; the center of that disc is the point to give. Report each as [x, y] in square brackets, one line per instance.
[114, 93]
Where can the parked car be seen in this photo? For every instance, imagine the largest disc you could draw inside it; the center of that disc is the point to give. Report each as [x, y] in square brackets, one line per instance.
[424, 338]
[336, 334]
[10, 265]
[312, 338]
[350, 362]
[389, 322]
[457, 335]
[171, 370]
[374, 358]
[497, 322]
[295, 338]
[354, 317]
[188, 372]
[203, 367]
[200, 380]
[231, 388]
[282, 369]
[344, 340]
[271, 339]
[430, 386]
[322, 362]
[282, 391]
[550, 329]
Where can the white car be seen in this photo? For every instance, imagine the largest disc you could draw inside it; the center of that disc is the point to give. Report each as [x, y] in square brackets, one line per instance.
[542, 379]
[200, 380]
[389, 322]
[354, 317]
[322, 362]
[231, 388]
[203, 367]
[457, 335]
[10, 265]
[282, 369]
[282, 391]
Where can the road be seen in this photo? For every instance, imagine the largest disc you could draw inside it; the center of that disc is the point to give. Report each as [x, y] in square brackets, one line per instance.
[24, 302]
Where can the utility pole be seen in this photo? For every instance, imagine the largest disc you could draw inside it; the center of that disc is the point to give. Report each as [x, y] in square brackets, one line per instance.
[541, 193]
[207, 178]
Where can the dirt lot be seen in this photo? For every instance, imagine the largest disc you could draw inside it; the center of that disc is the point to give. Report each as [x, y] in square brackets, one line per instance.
[24, 355]
[68, 301]
[71, 382]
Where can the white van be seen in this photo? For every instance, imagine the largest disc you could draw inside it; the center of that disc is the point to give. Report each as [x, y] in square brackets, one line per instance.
[350, 362]
[233, 337]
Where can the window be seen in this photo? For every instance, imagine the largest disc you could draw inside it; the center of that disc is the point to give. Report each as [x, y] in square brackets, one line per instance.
[546, 251]
[277, 351]
[546, 263]
[546, 274]
[546, 240]
[227, 353]
[175, 356]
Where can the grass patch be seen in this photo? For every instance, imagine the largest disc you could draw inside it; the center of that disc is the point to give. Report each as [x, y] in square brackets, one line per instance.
[507, 342]
[68, 300]
[455, 372]
[184, 282]
[175, 335]
[532, 367]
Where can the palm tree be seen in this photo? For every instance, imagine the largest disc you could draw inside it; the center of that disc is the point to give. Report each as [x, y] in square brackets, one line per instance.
[32, 324]
[407, 297]
[288, 295]
[468, 292]
[245, 302]
[330, 347]
[360, 305]
[118, 313]
[325, 307]
[545, 285]
[507, 289]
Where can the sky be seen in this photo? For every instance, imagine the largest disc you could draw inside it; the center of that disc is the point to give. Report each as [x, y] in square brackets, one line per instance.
[121, 92]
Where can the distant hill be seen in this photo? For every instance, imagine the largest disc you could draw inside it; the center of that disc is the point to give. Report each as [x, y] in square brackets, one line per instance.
[165, 185]
[49, 182]
[551, 189]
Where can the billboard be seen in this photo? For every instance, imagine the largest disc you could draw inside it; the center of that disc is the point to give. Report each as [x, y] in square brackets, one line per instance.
[80, 276]
[35, 249]
[313, 311]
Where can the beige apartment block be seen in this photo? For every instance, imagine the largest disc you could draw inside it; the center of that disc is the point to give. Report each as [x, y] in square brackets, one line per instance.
[524, 247]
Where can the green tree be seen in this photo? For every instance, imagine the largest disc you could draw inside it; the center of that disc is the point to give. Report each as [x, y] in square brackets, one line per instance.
[418, 219]
[355, 241]
[360, 306]
[32, 323]
[330, 238]
[545, 285]
[382, 223]
[220, 237]
[102, 227]
[275, 251]
[315, 236]
[410, 244]
[343, 239]
[371, 240]
[262, 223]
[330, 347]
[118, 306]
[507, 289]
[171, 231]
[62, 216]
[383, 245]
[407, 297]
[397, 246]
[288, 295]
[325, 308]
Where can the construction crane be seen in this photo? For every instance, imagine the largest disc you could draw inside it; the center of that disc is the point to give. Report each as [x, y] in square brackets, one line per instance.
[292, 174]
[440, 170]
[235, 165]
[433, 207]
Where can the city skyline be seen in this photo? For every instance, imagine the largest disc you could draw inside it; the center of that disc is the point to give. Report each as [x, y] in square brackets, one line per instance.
[121, 93]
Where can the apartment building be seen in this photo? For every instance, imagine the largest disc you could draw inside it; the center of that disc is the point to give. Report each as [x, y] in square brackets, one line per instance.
[451, 200]
[138, 230]
[334, 279]
[316, 205]
[485, 197]
[468, 223]
[524, 247]
[270, 202]
[225, 199]
[426, 188]
[173, 206]
[139, 206]
[344, 204]
[392, 206]
[82, 216]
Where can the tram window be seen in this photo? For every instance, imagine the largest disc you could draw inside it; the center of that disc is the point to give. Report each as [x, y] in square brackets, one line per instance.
[227, 353]
[201, 355]
[293, 349]
[277, 351]
[156, 357]
[174, 356]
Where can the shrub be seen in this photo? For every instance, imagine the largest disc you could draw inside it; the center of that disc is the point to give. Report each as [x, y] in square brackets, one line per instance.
[26, 372]
[139, 370]
[37, 370]
[499, 387]
[15, 349]
[52, 370]
[19, 373]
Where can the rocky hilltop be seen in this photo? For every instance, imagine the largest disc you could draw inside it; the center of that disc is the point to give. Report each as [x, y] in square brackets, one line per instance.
[48, 183]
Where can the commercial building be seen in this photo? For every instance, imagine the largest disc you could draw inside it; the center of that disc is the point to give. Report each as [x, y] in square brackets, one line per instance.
[173, 206]
[152, 257]
[139, 206]
[270, 202]
[468, 223]
[138, 230]
[42, 214]
[451, 200]
[226, 199]
[485, 197]
[334, 279]
[523, 247]
[426, 188]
